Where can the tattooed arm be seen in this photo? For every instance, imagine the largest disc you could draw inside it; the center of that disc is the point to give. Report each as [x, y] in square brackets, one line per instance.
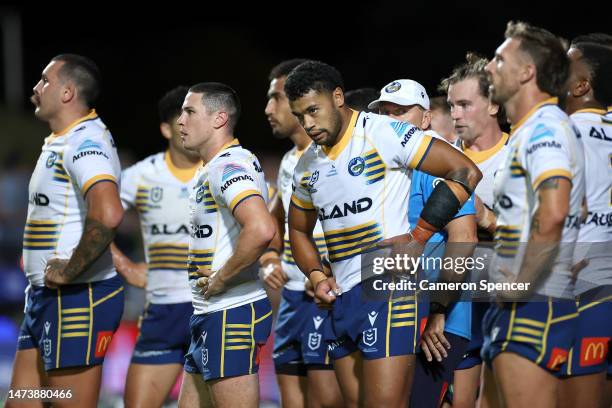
[545, 233]
[104, 214]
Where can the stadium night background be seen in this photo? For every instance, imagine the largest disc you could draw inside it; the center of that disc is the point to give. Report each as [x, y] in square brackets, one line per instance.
[144, 52]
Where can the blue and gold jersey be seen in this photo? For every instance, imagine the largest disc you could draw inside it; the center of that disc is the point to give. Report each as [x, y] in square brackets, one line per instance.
[285, 181]
[229, 178]
[71, 162]
[160, 193]
[360, 187]
[543, 145]
[596, 132]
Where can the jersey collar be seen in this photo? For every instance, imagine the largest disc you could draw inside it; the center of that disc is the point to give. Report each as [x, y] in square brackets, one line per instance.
[183, 175]
[91, 115]
[549, 101]
[592, 110]
[480, 156]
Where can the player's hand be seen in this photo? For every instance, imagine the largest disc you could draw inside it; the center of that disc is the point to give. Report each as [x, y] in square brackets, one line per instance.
[273, 274]
[433, 341]
[135, 273]
[54, 273]
[326, 291]
[210, 283]
[508, 296]
[404, 244]
[308, 288]
[577, 268]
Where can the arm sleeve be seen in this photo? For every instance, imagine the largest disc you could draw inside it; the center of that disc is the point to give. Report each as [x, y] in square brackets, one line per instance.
[546, 154]
[90, 161]
[429, 184]
[300, 197]
[233, 182]
[129, 186]
[399, 143]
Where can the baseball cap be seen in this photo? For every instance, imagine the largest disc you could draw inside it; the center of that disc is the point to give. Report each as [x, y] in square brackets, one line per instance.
[403, 92]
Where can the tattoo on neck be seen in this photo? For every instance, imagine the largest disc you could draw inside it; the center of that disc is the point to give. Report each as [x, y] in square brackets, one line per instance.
[95, 239]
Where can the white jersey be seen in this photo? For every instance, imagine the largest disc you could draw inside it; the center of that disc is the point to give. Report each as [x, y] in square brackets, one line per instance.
[544, 144]
[285, 179]
[596, 133]
[160, 193]
[71, 162]
[360, 187]
[233, 175]
[488, 161]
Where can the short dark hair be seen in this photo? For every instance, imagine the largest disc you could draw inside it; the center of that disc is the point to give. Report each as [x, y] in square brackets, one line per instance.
[217, 96]
[598, 59]
[473, 67]
[548, 53]
[594, 38]
[284, 68]
[312, 76]
[84, 73]
[169, 105]
[439, 103]
[359, 99]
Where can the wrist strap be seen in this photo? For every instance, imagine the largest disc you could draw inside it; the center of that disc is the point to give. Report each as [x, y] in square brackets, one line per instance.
[316, 276]
[422, 231]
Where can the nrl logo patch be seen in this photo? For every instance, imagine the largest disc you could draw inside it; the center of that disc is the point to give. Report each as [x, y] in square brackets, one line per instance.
[157, 194]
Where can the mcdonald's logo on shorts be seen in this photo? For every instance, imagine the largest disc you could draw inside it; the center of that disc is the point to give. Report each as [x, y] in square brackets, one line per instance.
[102, 343]
[558, 356]
[593, 350]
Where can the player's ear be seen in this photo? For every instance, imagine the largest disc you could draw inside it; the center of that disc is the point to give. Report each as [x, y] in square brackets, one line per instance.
[221, 118]
[338, 97]
[492, 109]
[166, 130]
[527, 72]
[426, 121]
[69, 92]
[580, 88]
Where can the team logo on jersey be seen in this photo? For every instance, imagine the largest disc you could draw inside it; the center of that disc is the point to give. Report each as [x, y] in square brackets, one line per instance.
[314, 341]
[313, 179]
[200, 192]
[370, 336]
[204, 349]
[393, 87]
[505, 202]
[257, 167]
[356, 166]
[51, 160]
[157, 194]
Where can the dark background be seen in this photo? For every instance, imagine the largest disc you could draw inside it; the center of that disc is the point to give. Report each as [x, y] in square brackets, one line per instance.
[144, 52]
